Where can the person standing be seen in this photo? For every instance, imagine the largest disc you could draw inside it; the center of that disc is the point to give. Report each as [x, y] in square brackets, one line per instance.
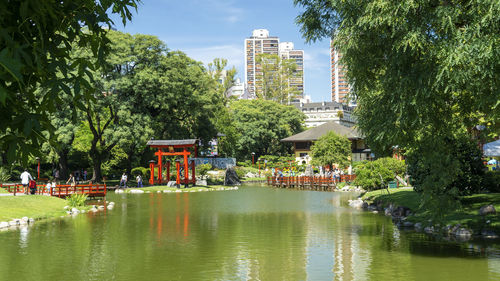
[123, 181]
[25, 179]
[71, 180]
[85, 175]
[139, 180]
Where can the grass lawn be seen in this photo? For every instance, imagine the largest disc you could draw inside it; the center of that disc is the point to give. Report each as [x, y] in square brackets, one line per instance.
[32, 206]
[164, 187]
[467, 215]
[399, 197]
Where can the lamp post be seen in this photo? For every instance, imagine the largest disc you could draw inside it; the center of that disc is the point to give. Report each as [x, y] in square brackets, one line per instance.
[38, 168]
[253, 158]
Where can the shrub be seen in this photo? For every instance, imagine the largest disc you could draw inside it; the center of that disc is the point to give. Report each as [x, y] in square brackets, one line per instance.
[240, 171]
[468, 178]
[140, 171]
[76, 200]
[491, 181]
[203, 169]
[372, 175]
[4, 175]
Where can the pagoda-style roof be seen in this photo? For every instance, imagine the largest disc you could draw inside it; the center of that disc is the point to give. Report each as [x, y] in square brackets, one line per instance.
[172, 142]
[315, 133]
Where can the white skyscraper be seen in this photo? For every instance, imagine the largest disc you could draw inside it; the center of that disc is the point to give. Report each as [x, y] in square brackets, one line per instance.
[261, 43]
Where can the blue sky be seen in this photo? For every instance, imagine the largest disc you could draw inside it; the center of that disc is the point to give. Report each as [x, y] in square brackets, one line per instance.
[208, 29]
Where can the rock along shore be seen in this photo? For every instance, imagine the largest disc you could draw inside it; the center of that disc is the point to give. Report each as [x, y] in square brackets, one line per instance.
[400, 214]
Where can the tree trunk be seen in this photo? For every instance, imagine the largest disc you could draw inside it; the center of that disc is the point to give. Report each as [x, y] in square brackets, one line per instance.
[63, 165]
[129, 163]
[96, 168]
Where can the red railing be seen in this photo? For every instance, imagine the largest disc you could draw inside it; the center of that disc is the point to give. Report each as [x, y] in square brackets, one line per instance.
[313, 182]
[61, 190]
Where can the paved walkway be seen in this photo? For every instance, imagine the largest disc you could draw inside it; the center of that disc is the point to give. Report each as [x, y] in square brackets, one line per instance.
[12, 194]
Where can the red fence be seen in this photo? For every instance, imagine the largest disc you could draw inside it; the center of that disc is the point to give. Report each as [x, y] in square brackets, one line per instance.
[62, 190]
[314, 183]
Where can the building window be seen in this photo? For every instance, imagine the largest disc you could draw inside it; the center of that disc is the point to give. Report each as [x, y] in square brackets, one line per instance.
[303, 145]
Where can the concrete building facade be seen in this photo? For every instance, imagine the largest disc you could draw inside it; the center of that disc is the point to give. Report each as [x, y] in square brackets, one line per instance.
[288, 52]
[340, 87]
[262, 43]
[319, 113]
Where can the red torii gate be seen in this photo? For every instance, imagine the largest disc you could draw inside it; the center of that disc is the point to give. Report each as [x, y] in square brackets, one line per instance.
[171, 146]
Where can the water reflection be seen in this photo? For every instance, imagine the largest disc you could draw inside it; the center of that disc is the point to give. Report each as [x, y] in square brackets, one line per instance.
[254, 233]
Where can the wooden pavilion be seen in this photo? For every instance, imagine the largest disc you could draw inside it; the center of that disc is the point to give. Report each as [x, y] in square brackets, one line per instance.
[173, 148]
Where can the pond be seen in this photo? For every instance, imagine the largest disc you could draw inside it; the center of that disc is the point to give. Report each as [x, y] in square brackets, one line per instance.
[254, 233]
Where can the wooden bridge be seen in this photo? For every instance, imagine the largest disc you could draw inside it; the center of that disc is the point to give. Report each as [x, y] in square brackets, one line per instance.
[61, 190]
[311, 183]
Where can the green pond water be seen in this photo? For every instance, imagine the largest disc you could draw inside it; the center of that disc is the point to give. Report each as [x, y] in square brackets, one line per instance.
[254, 233]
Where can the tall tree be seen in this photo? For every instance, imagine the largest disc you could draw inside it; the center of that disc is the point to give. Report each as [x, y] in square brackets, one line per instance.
[224, 78]
[273, 81]
[35, 46]
[424, 72]
[331, 149]
[262, 124]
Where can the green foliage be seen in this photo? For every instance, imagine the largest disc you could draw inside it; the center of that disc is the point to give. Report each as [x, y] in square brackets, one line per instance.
[76, 200]
[142, 85]
[240, 171]
[331, 149]
[36, 46]
[425, 72]
[203, 169]
[274, 81]
[140, 171]
[4, 175]
[372, 175]
[467, 171]
[262, 124]
[491, 181]
[223, 82]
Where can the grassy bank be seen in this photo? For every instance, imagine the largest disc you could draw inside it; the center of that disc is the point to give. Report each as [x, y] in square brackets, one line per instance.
[33, 206]
[467, 215]
[253, 179]
[157, 188]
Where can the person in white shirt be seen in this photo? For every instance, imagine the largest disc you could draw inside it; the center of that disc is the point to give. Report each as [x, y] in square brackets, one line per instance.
[25, 178]
[139, 180]
[48, 187]
[123, 181]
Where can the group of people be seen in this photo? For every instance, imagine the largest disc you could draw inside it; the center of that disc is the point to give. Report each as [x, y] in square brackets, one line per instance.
[78, 175]
[124, 179]
[28, 182]
[335, 173]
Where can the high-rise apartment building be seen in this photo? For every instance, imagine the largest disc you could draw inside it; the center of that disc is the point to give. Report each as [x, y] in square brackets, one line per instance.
[261, 43]
[287, 52]
[340, 87]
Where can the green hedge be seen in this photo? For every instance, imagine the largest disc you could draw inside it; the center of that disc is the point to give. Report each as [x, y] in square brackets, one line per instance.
[372, 175]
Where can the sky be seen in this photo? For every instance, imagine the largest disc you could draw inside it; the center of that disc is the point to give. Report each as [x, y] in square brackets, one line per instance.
[208, 29]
